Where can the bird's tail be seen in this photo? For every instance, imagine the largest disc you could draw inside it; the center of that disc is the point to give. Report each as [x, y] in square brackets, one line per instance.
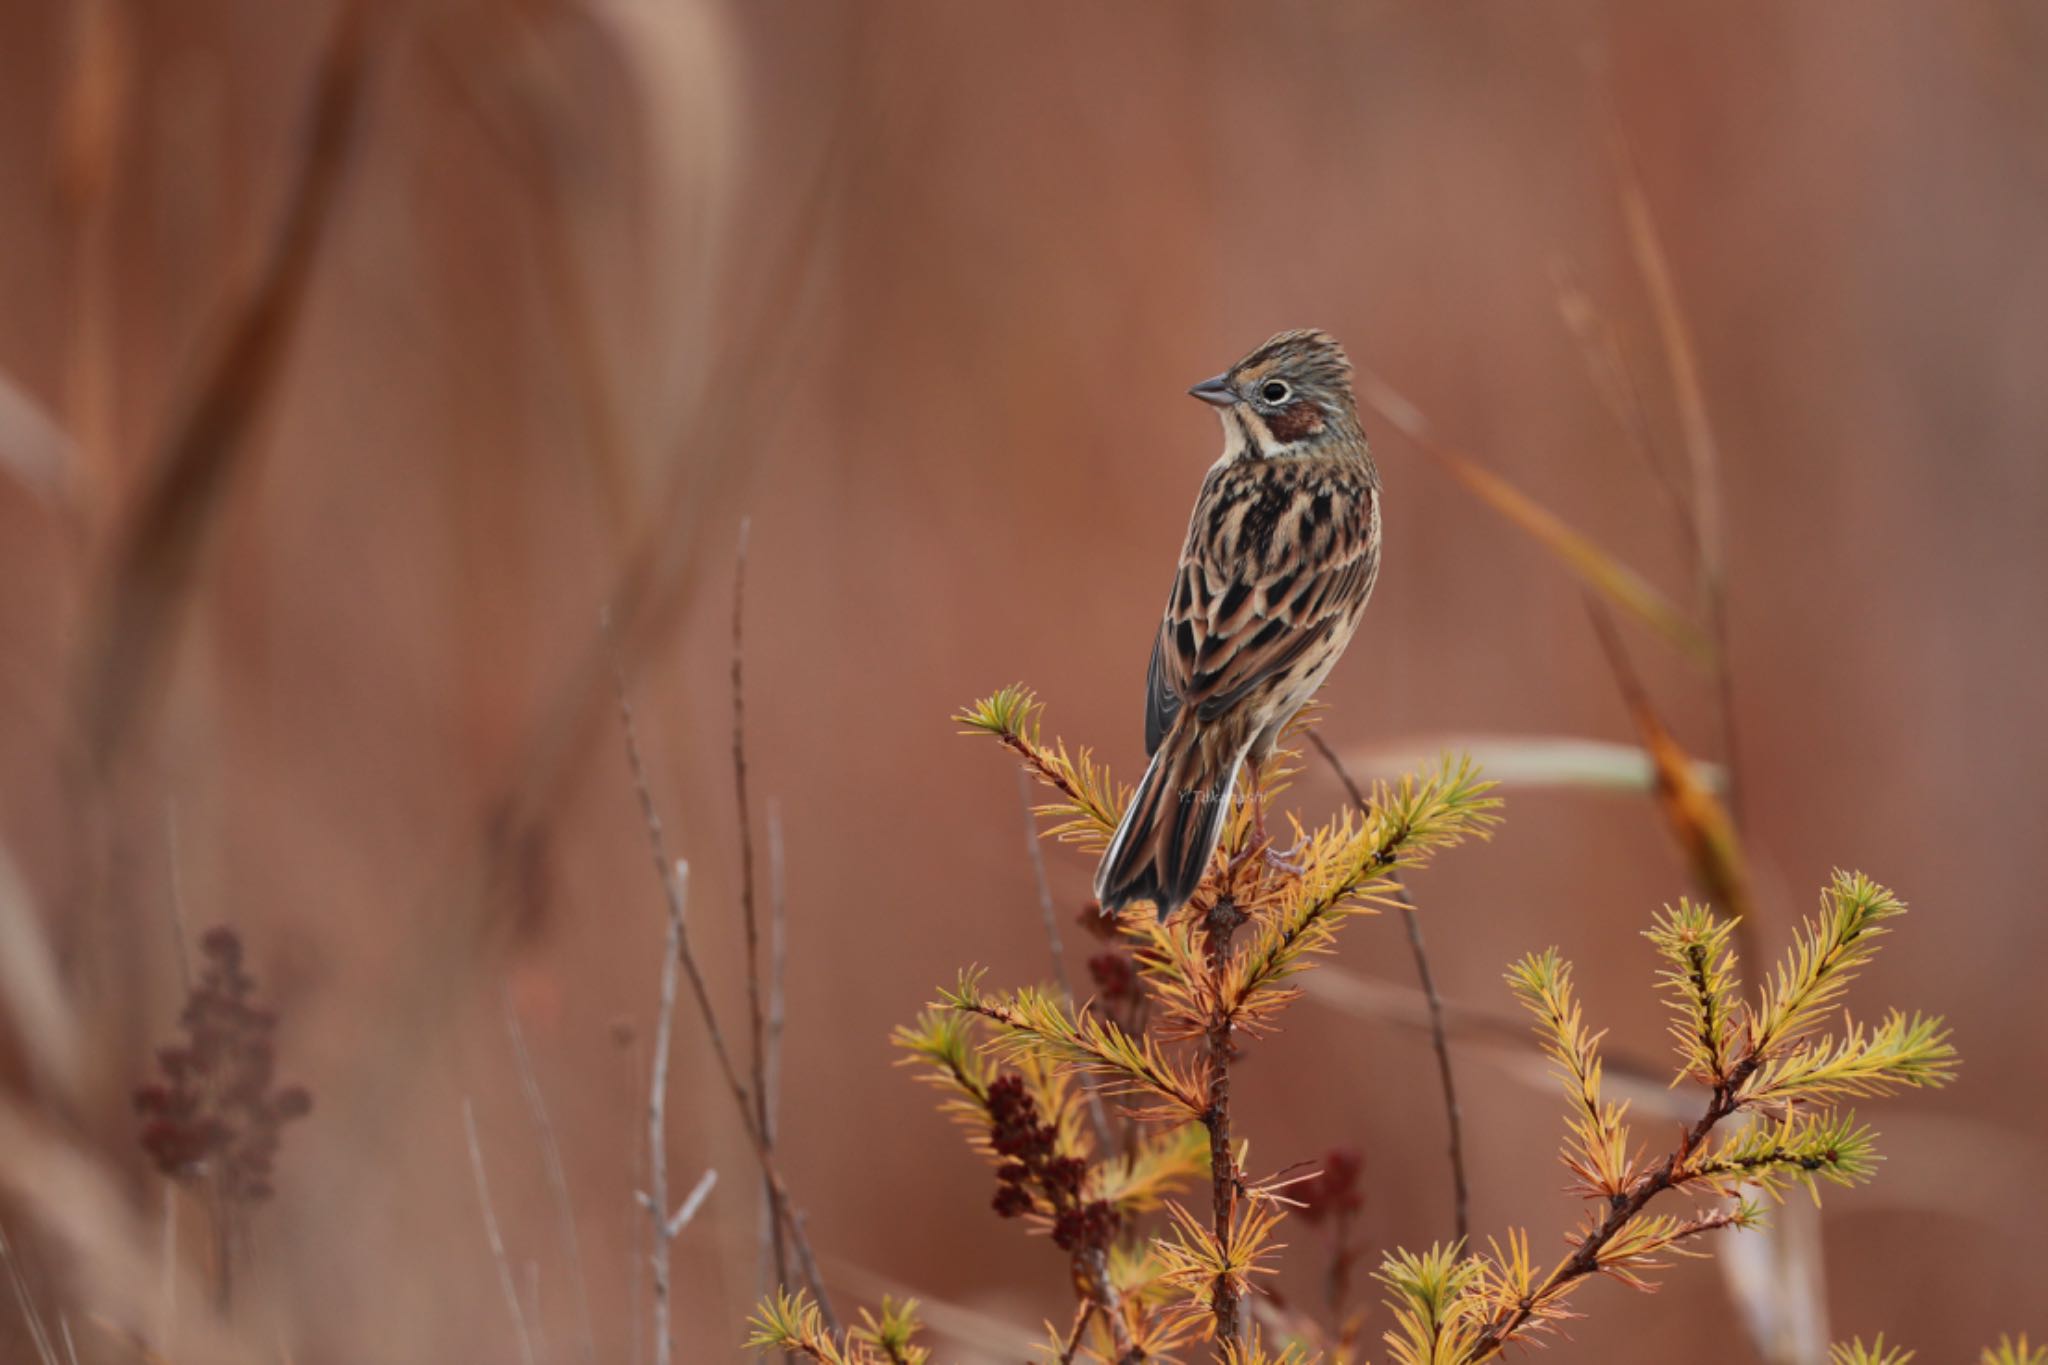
[1171, 827]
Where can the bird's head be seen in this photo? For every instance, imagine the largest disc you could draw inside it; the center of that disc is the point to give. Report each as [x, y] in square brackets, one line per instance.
[1291, 396]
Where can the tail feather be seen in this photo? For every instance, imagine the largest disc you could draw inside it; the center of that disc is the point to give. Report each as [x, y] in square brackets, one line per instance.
[1171, 828]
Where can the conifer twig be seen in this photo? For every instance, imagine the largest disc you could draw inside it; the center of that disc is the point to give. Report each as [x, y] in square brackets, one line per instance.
[756, 1020]
[1584, 1259]
[680, 951]
[1438, 1035]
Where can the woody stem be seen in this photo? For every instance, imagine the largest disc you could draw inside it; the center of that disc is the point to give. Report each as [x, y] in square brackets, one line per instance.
[1222, 923]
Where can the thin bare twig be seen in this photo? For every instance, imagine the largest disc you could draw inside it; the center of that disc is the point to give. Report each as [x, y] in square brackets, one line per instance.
[1438, 1036]
[557, 1176]
[679, 941]
[778, 962]
[655, 1200]
[757, 1025]
[506, 1283]
[778, 966]
[686, 1213]
[629, 1042]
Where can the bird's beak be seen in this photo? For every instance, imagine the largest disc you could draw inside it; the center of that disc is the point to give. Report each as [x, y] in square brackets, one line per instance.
[1216, 391]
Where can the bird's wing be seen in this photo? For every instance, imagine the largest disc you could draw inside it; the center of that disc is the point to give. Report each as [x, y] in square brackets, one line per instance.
[1162, 703]
[1272, 568]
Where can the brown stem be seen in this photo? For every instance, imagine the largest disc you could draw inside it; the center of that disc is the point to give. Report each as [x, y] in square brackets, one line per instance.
[757, 1026]
[1104, 1299]
[1072, 1345]
[1438, 1035]
[1222, 923]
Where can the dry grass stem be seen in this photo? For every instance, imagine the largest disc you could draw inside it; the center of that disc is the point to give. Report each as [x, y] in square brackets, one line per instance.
[156, 561]
[39, 1333]
[1703, 451]
[1097, 1116]
[32, 991]
[557, 1176]
[1594, 566]
[507, 1284]
[778, 971]
[1044, 886]
[1439, 1037]
[34, 449]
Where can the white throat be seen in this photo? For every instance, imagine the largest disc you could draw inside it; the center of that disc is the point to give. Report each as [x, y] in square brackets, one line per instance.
[1233, 434]
[1242, 433]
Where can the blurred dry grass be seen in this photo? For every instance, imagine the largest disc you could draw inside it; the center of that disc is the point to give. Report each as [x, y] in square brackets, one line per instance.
[917, 287]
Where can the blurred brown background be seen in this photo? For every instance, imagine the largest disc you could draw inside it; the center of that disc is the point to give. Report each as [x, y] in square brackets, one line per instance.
[917, 287]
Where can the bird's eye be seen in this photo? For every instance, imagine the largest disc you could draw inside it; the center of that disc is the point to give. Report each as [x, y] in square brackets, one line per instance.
[1274, 391]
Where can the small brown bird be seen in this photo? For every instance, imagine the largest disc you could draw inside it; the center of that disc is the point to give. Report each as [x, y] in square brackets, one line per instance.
[1281, 554]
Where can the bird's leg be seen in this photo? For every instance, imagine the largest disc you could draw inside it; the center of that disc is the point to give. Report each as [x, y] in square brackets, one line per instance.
[1261, 840]
[1257, 798]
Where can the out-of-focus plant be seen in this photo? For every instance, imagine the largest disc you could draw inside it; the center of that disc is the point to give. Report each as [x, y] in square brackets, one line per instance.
[215, 1120]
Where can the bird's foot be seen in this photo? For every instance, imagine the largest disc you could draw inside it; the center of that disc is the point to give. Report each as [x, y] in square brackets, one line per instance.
[1286, 860]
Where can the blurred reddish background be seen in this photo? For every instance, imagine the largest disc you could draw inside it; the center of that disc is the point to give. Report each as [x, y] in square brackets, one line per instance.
[917, 288]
